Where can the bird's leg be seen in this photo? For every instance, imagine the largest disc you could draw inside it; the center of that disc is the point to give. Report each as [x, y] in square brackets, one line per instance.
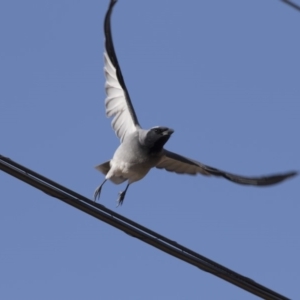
[98, 191]
[122, 196]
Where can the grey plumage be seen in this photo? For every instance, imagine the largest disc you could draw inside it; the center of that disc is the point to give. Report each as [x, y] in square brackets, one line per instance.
[140, 150]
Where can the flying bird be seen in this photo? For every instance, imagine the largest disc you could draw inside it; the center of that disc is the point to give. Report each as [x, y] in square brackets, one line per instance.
[142, 149]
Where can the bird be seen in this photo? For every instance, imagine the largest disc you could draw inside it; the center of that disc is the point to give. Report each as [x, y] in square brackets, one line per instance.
[140, 149]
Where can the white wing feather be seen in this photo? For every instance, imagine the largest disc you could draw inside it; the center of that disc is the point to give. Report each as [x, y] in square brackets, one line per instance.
[115, 102]
[186, 166]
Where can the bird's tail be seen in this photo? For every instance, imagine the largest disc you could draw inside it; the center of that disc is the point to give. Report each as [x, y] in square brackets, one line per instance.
[103, 168]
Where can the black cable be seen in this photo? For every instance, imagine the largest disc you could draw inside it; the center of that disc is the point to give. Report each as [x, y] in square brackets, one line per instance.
[134, 229]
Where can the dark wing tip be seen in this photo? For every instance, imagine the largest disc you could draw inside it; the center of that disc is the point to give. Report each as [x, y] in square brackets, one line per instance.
[256, 181]
[262, 181]
[112, 2]
[277, 178]
[289, 175]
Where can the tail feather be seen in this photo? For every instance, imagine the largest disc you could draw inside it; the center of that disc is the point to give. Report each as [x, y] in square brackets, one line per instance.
[103, 168]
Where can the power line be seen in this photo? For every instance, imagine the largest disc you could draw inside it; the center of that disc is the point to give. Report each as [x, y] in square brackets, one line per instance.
[134, 229]
[292, 4]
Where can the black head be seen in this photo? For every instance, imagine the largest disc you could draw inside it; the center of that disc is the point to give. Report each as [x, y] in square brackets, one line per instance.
[155, 138]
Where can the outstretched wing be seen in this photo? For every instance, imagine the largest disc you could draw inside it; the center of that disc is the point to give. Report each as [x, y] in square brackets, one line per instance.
[179, 164]
[118, 103]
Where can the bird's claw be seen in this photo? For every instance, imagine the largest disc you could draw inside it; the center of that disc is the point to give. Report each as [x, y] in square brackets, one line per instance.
[121, 198]
[97, 193]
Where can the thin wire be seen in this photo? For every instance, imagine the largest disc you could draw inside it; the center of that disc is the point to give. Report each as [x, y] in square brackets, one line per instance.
[134, 229]
[292, 4]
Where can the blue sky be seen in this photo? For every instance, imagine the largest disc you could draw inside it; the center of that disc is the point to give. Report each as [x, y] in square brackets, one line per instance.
[223, 74]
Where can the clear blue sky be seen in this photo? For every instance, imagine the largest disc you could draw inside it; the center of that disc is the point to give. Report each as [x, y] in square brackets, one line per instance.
[223, 74]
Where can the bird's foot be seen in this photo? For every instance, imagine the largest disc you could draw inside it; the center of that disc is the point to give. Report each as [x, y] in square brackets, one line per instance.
[97, 193]
[121, 198]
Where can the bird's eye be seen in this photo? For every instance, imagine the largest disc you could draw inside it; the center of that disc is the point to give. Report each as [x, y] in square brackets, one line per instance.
[157, 130]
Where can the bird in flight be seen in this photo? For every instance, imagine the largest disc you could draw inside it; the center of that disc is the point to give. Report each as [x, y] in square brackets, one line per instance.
[143, 149]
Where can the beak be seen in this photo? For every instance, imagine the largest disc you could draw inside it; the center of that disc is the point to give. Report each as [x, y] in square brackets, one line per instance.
[168, 131]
